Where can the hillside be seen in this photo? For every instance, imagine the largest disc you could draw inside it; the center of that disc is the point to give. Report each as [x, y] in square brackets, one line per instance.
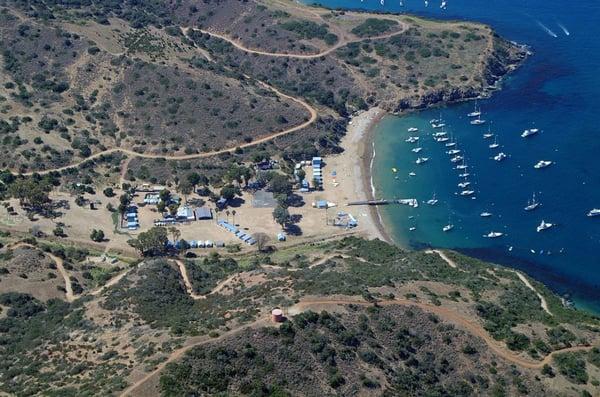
[184, 80]
[363, 318]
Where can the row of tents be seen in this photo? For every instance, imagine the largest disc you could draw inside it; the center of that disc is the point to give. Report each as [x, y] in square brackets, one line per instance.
[246, 238]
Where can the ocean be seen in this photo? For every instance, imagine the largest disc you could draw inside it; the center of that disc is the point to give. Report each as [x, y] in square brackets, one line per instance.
[556, 91]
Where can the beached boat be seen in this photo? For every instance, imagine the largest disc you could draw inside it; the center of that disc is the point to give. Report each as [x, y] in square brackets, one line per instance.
[500, 156]
[542, 164]
[485, 214]
[417, 149]
[530, 132]
[422, 160]
[493, 235]
[544, 225]
[532, 204]
[413, 129]
[594, 212]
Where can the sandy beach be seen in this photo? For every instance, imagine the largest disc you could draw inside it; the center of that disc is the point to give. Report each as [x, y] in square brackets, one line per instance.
[353, 165]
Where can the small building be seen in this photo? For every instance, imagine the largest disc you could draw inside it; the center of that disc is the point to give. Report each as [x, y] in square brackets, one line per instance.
[277, 315]
[203, 213]
[317, 162]
[185, 213]
[151, 198]
[281, 237]
[321, 204]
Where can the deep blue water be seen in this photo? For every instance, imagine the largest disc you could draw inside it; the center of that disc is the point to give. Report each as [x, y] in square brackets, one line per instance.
[556, 91]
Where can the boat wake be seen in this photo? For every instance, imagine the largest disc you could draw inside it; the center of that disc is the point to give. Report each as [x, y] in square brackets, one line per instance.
[371, 171]
[546, 29]
[564, 29]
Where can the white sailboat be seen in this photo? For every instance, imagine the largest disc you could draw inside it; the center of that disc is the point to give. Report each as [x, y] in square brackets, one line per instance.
[417, 149]
[495, 144]
[456, 159]
[467, 192]
[432, 201]
[476, 112]
[422, 160]
[448, 227]
[532, 204]
[413, 129]
[478, 121]
[543, 226]
[453, 152]
[485, 214]
[464, 184]
[488, 134]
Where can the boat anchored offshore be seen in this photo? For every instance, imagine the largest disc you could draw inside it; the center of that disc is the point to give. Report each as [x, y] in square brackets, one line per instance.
[476, 112]
[452, 152]
[495, 144]
[477, 121]
[485, 214]
[467, 192]
[500, 156]
[530, 132]
[488, 134]
[456, 159]
[448, 227]
[543, 226]
[432, 201]
[413, 129]
[422, 160]
[411, 139]
[464, 184]
[542, 164]
[594, 212]
[493, 235]
[417, 149]
[532, 204]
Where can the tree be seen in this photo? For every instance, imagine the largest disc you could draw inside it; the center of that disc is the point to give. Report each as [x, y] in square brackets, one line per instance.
[229, 192]
[227, 213]
[233, 214]
[301, 174]
[109, 192]
[280, 184]
[196, 179]
[281, 216]
[30, 193]
[185, 187]
[124, 201]
[58, 231]
[165, 195]
[261, 241]
[151, 243]
[175, 233]
[97, 235]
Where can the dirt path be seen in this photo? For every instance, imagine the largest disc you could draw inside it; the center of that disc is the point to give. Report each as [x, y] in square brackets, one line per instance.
[59, 266]
[133, 389]
[189, 287]
[543, 302]
[110, 282]
[341, 43]
[442, 255]
[453, 317]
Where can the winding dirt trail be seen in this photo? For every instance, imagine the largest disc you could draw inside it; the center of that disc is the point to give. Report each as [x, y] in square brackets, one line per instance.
[188, 283]
[312, 111]
[60, 266]
[110, 282]
[452, 316]
[307, 304]
[444, 257]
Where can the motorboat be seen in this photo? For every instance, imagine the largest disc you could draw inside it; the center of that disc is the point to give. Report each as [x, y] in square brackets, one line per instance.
[488, 135]
[485, 214]
[544, 225]
[493, 235]
[464, 184]
[467, 192]
[412, 229]
[412, 174]
[432, 201]
[442, 139]
[456, 159]
[594, 212]
[411, 139]
[448, 227]
[451, 144]
[542, 164]
[439, 134]
[417, 149]
[394, 170]
[413, 129]
[452, 152]
[422, 160]
[532, 204]
[464, 175]
[530, 132]
[500, 156]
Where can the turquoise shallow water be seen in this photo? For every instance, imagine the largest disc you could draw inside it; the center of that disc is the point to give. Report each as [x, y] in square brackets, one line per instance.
[557, 92]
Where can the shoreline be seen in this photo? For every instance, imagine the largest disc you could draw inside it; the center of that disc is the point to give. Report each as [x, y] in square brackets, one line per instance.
[357, 158]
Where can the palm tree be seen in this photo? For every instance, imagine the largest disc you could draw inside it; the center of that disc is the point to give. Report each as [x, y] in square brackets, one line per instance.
[227, 213]
[233, 213]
